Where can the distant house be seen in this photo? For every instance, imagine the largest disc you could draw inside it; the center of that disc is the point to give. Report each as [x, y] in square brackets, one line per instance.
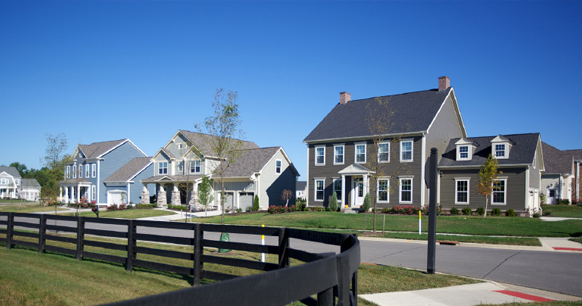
[178, 171]
[557, 178]
[92, 164]
[29, 190]
[520, 159]
[339, 147]
[301, 190]
[9, 182]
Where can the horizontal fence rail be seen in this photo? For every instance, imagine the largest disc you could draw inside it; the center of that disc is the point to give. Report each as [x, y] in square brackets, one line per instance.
[331, 276]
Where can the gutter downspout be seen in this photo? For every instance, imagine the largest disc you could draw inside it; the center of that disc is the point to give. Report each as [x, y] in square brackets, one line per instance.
[422, 171]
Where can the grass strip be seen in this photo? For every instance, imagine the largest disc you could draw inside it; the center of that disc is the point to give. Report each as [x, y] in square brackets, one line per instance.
[27, 208]
[566, 211]
[469, 239]
[133, 213]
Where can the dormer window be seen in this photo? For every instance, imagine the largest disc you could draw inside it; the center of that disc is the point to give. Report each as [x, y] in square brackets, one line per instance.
[465, 149]
[500, 150]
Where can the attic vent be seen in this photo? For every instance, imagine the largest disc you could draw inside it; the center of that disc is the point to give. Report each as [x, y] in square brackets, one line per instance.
[345, 97]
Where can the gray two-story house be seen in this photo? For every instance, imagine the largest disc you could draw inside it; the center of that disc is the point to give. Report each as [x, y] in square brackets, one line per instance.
[180, 165]
[393, 133]
[90, 167]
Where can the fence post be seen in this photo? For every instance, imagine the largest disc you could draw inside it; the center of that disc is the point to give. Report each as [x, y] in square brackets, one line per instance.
[80, 237]
[130, 245]
[10, 228]
[41, 234]
[432, 185]
[283, 245]
[198, 236]
[325, 298]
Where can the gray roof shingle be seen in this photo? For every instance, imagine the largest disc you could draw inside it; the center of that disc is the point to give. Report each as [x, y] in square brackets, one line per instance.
[251, 161]
[10, 170]
[522, 151]
[29, 183]
[556, 161]
[412, 112]
[97, 149]
[129, 170]
[202, 142]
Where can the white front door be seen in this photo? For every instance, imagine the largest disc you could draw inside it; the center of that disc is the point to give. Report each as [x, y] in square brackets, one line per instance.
[551, 196]
[358, 192]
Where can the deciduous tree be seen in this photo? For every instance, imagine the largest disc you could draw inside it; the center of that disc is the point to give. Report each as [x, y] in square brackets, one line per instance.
[487, 176]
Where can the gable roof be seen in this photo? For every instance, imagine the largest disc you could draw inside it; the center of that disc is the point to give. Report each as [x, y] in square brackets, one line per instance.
[300, 185]
[577, 154]
[129, 170]
[202, 141]
[29, 183]
[556, 161]
[522, 151]
[413, 112]
[11, 171]
[98, 149]
[251, 161]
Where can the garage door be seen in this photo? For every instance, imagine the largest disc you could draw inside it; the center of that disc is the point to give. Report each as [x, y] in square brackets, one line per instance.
[114, 197]
[246, 200]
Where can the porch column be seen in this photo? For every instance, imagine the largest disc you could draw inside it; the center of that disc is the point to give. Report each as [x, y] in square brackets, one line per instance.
[344, 200]
[192, 193]
[66, 200]
[176, 195]
[162, 202]
[145, 195]
[78, 194]
[61, 194]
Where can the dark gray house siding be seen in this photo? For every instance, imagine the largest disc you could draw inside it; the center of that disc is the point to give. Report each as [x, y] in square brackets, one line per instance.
[394, 169]
[515, 189]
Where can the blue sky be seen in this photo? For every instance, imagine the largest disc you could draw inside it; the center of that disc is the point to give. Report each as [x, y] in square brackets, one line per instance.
[107, 70]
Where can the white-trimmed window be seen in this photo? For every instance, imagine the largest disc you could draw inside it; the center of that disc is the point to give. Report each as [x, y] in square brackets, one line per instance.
[320, 155]
[195, 166]
[499, 192]
[163, 168]
[406, 151]
[86, 170]
[179, 146]
[181, 166]
[94, 193]
[384, 152]
[3, 181]
[462, 191]
[74, 171]
[319, 190]
[500, 150]
[383, 190]
[278, 166]
[93, 170]
[68, 172]
[360, 153]
[80, 171]
[338, 154]
[405, 190]
[337, 188]
[463, 153]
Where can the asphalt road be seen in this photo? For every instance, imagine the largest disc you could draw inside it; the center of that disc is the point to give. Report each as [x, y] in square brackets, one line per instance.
[547, 270]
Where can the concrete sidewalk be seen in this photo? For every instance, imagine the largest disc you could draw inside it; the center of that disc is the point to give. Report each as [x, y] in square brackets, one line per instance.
[181, 215]
[467, 295]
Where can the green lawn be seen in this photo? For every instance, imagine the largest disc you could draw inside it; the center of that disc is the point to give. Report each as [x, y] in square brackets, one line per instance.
[27, 208]
[567, 211]
[126, 213]
[53, 279]
[463, 238]
[469, 225]
[15, 201]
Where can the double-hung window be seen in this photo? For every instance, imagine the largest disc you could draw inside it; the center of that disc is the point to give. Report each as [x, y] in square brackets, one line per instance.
[337, 188]
[406, 190]
[384, 152]
[319, 189]
[68, 172]
[278, 166]
[360, 153]
[80, 171]
[195, 166]
[93, 170]
[181, 166]
[163, 168]
[500, 150]
[320, 155]
[499, 194]
[86, 170]
[462, 191]
[464, 152]
[383, 189]
[94, 193]
[406, 151]
[338, 155]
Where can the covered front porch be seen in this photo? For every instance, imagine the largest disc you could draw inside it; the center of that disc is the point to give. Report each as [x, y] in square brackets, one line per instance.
[172, 189]
[75, 191]
[355, 184]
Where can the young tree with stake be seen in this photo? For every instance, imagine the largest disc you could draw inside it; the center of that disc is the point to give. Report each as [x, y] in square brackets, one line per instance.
[487, 176]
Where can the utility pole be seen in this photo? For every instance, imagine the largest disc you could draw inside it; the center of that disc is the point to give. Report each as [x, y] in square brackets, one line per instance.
[433, 176]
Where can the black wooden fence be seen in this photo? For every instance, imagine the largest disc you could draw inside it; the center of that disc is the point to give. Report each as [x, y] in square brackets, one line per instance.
[330, 276]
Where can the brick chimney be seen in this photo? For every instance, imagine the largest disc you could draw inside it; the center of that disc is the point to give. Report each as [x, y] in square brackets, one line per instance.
[345, 97]
[444, 83]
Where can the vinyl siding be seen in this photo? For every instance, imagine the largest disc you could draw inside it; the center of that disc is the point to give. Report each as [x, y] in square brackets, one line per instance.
[394, 169]
[515, 192]
[273, 184]
[136, 187]
[114, 160]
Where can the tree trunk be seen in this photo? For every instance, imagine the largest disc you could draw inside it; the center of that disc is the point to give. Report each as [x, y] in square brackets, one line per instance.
[486, 204]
